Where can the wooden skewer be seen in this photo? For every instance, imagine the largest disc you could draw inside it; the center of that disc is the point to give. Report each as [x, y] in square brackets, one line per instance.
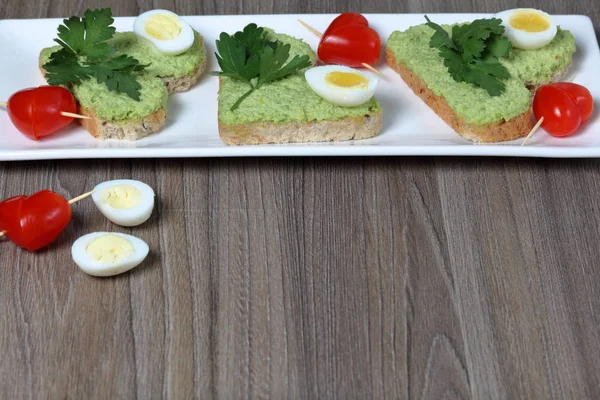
[63, 113]
[319, 34]
[72, 201]
[535, 128]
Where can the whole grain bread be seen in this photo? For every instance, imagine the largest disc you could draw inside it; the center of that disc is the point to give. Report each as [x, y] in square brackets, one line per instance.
[185, 83]
[517, 127]
[131, 129]
[297, 132]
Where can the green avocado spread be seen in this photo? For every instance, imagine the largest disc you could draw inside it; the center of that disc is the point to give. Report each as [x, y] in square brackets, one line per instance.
[287, 100]
[471, 103]
[538, 66]
[160, 64]
[115, 106]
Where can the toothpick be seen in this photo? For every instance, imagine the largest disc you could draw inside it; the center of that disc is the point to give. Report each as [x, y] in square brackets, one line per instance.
[63, 113]
[310, 28]
[72, 115]
[83, 196]
[367, 66]
[573, 78]
[72, 201]
[319, 34]
[535, 128]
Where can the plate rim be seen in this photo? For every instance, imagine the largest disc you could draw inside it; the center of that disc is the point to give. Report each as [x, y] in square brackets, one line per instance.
[352, 148]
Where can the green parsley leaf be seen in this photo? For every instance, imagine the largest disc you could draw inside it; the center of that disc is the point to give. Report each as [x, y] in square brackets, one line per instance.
[453, 61]
[233, 58]
[251, 58]
[64, 67]
[497, 46]
[87, 36]
[86, 54]
[486, 75]
[117, 81]
[273, 66]
[471, 54]
[440, 38]
[252, 38]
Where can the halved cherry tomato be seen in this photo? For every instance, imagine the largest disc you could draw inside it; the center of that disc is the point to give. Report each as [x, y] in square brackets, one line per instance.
[34, 221]
[564, 106]
[350, 45]
[345, 19]
[36, 112]
[581, 96]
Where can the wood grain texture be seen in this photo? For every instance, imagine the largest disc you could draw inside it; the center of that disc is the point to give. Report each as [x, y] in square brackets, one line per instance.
[367, 278]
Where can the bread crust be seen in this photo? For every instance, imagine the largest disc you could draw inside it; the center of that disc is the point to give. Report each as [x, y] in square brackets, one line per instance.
[300, 132]
[515, 128]
[186, 82]
[132, 129]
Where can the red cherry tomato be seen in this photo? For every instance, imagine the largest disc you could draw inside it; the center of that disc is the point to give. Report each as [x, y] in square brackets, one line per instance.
[346, 19]
[581, 96]
[561, 115]
[36, 112]
[35, 221]
[350, 45]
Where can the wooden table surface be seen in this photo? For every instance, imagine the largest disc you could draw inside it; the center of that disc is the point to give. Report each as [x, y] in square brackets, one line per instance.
[361, 278]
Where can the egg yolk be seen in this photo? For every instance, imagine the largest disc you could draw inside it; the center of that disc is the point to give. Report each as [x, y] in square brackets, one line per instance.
[529, 21]
[349, 80]
[110, 249]
[163, 26]
[121, 196]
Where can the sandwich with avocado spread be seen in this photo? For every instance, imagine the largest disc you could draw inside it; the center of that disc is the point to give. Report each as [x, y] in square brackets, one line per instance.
[122, 80]
[479, 77]
[270, 92]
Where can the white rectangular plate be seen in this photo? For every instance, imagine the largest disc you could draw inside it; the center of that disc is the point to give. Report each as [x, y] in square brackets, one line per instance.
[410, 127]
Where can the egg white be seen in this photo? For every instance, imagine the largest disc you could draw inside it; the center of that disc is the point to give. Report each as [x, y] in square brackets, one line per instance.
[133, 216]
[346, 97]
[171, 47]
[95, 268]
[527, 40]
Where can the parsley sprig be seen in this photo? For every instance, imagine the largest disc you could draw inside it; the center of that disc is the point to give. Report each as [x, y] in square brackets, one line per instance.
[86, 54]
[472, 53]
[250, 57]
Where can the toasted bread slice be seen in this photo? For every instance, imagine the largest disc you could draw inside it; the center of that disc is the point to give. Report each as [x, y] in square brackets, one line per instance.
[515, 128]
[124, 129]
[297, 115]
[469, 110]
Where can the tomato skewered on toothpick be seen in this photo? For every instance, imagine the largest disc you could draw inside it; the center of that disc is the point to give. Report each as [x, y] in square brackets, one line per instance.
[41, 111]
[348, 41]
[35, 221]
[561, 108]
